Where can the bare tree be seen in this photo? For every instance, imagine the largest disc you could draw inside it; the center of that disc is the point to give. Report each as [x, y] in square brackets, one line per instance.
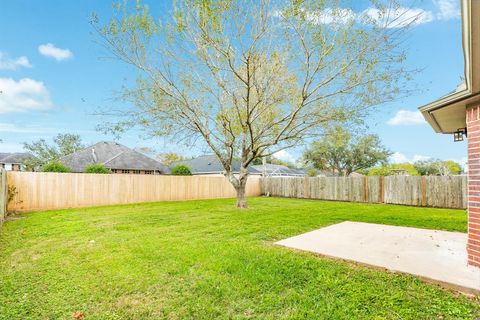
[248, 78]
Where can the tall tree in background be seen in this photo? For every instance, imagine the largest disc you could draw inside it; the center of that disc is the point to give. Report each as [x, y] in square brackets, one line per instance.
[248, 78]
[438, 167]
[343, 153]
[63, 144]
[273, 160]
[393, 169]
[169, 157]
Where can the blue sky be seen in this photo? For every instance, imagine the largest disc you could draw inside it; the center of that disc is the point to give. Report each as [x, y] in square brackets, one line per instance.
[53, 78]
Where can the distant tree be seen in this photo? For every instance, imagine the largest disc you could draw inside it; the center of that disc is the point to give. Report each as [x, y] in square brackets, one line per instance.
[169, 157]
[452, 167]
[248, 78]
[68, 143]
[312, 172]
[392, 169]
[285, 163]
[97, 168]
[438, 167]
[273, 160]
[181, 170]
[55, 166]
[425, 167]
[342, 152]
[63, 144]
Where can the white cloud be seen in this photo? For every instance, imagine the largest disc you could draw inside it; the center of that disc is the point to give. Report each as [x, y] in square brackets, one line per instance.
[49, 50]
[406, 118]
[285, 156]
[398, 157]
[447, 9]
[418, 157]
[13, 128]
[23, 95]
[397, 18]
[7, 63]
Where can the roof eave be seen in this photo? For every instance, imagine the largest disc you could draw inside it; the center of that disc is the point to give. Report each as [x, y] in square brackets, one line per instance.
[428, 109]
[461, 99]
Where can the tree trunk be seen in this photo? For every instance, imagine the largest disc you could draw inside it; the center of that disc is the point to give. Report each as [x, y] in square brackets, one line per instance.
[239, 184]
[241, 200]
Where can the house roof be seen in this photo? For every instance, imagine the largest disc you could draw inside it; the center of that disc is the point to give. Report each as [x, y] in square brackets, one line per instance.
[447, 114]
[16, 157]
[113, 156]
[278, 170]
[209, 164]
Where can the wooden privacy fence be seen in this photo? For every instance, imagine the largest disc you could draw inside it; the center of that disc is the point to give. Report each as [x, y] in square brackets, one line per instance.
[43, 191]
[3, 195]
[429, 191]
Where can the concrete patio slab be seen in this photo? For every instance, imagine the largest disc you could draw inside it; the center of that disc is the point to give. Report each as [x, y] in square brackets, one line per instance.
[437, 256]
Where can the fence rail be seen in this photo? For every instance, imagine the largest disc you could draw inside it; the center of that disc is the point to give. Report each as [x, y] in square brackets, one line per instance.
[430, 191]
[44, 191]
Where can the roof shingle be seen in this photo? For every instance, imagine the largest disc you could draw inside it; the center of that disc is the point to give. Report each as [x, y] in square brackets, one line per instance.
[113, 156]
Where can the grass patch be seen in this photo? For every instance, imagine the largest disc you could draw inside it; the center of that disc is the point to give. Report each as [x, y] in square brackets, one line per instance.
[206, 259]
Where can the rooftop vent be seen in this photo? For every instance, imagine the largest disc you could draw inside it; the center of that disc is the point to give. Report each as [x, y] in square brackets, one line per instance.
[94, 156]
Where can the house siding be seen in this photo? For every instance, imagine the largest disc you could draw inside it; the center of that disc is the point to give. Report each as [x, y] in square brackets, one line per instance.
[473, 130]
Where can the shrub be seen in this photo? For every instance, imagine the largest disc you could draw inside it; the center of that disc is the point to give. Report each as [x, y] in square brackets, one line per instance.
[97, 168]
[181, 170]
[55, 166]
[312, 172]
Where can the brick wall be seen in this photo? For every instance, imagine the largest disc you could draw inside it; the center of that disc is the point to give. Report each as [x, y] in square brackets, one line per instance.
[473, 130]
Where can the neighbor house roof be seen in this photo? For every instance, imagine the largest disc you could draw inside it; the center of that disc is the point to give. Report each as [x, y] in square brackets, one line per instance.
[16, 157]
[209, 164]
[447, 114]
[113, 156]
[278, 170]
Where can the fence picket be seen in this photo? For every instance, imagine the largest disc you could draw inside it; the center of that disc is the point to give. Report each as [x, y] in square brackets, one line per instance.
[44, 190]
[432, 191]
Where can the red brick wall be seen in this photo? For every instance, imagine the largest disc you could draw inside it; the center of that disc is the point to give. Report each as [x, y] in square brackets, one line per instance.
[473, 131]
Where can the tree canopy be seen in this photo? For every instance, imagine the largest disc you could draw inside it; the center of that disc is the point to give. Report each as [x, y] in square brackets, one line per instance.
[438, 167]
[63, 144]
[342, 152]
[181, 170]
[55, 166]
[248, 78]
[391, 169]
[170, 157]
[97, 168]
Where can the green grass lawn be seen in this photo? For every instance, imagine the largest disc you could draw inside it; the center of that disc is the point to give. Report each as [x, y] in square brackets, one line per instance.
[205, 260]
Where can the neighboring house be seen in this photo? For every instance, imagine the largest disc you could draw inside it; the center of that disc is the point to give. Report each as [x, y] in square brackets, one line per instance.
[116, 157]
[276, 170]
[14, 161]
[459, 114]
[210, 165]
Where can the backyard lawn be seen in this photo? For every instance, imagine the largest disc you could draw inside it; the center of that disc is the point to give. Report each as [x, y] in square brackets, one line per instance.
[206, 259]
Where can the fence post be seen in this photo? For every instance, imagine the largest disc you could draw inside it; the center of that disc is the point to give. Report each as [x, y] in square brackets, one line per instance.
[365, 188]
[424, 191]
[382, 189]
[306, 188]
[3, 195]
